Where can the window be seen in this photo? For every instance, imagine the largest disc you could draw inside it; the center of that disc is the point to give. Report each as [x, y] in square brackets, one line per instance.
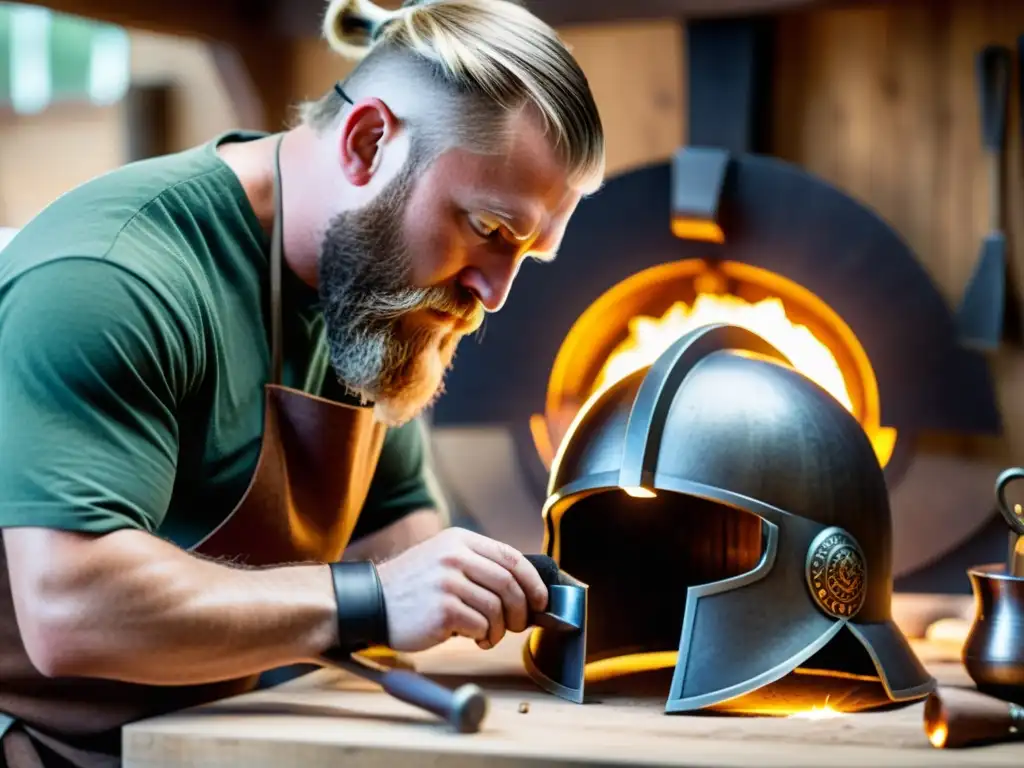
[48, 57]
[6, 235]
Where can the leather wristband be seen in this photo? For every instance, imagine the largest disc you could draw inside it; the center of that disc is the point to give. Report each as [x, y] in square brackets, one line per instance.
[362, 619]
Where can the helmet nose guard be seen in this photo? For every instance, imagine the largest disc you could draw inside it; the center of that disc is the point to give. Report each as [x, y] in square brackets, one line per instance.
[730, 522]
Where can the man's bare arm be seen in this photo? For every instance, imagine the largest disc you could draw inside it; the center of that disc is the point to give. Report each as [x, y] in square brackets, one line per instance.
[396, 538]
[129, 606]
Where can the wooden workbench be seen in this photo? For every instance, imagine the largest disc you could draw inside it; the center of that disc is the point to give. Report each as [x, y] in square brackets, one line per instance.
[329, 718]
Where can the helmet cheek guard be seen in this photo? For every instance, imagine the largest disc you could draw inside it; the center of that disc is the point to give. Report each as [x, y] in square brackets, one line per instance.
[729, 522]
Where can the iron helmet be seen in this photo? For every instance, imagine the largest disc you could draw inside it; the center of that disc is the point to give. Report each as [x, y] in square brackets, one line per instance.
[730, 523]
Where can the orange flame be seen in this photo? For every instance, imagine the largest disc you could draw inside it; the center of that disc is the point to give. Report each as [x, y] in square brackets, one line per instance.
[649, 337]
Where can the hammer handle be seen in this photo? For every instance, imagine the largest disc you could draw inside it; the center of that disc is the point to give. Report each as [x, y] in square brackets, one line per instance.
[464, 708]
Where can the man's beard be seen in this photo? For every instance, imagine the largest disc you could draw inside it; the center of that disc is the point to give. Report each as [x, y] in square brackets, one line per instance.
[366, 296]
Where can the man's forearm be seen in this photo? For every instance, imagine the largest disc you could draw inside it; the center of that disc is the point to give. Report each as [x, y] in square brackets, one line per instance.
[396, 538]
[129, 606]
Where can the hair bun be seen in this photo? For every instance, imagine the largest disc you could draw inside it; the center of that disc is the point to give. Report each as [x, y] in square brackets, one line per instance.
[350, 26]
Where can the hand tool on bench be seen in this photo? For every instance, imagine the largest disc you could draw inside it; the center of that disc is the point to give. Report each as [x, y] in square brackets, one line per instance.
[960, 717]
[463, 708]
[980, 316]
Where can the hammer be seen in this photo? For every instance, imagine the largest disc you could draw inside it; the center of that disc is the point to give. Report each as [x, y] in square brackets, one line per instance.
[463, 708]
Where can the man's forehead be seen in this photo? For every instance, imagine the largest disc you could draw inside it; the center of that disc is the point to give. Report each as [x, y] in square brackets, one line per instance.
[518, 189]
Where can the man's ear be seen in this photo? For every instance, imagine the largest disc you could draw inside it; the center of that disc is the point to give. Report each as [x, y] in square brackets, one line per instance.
[365, 130]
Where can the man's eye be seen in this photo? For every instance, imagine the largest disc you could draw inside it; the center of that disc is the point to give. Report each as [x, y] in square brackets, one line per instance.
[484, 226]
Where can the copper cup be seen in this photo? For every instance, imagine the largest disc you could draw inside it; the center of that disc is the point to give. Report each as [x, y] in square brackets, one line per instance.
[993, 652]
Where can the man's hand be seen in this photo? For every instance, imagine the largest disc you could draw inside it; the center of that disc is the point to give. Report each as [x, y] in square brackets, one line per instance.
[458, 583]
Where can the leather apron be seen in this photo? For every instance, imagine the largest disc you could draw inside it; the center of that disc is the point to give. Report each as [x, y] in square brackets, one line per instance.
[316, 461]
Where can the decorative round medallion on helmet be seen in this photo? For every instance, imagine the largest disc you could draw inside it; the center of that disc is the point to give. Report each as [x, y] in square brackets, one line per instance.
[836, 573]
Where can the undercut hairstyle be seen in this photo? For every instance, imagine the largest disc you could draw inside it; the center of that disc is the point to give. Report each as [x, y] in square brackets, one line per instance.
[455, 73]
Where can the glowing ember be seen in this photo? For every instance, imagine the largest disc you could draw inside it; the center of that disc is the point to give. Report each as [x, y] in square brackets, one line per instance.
[649, 337]
[824, 712]
[937, 736]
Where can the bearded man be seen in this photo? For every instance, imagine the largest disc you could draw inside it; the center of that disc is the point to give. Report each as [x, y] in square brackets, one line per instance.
[211, 369]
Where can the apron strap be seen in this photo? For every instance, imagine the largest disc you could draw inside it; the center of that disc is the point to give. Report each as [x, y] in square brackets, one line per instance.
[276, 257]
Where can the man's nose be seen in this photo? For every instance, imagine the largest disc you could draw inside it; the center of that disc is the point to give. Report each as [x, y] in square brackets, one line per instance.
[491, 282]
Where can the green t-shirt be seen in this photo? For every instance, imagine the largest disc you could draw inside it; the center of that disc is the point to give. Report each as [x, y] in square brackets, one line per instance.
[134, 348]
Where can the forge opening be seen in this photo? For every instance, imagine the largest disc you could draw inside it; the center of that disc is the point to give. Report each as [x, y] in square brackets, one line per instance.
[637, 604]
[632, 323]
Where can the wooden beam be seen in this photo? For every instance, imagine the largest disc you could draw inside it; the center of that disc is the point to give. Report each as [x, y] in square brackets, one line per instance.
[567, 12]
[231, 20]
[205, 19]
[302, 18]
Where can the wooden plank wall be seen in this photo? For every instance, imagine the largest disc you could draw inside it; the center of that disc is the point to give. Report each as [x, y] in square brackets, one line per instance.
[883, 103]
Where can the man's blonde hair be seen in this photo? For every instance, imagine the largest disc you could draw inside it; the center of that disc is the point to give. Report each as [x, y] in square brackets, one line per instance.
[472, 65]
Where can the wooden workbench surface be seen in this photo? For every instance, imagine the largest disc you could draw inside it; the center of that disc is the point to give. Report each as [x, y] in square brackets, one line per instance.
[329, 718]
